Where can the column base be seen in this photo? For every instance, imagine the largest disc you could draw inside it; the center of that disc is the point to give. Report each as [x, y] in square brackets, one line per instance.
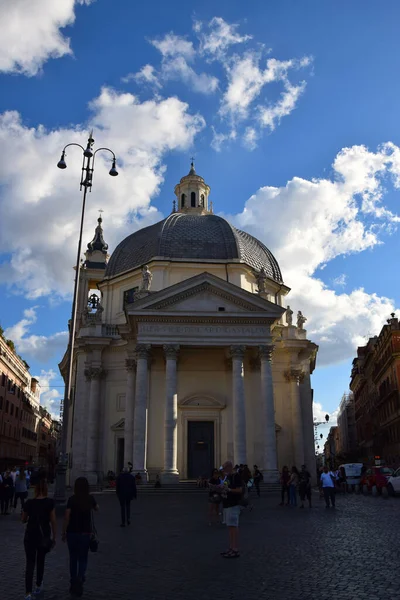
[271, 475]
[169, 477]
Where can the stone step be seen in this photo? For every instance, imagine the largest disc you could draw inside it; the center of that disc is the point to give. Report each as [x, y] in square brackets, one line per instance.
[190, 488]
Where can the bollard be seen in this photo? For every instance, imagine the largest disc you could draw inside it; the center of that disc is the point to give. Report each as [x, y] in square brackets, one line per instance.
[365, 489]
[374, 490]
[357, 489]
[385, 492]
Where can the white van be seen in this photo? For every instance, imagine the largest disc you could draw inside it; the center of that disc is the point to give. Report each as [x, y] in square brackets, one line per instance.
[353, 473]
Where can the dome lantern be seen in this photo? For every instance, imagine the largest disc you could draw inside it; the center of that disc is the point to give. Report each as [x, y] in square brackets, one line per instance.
[192, 193]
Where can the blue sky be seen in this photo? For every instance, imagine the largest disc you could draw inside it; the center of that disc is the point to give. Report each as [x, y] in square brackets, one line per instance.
[290, 108]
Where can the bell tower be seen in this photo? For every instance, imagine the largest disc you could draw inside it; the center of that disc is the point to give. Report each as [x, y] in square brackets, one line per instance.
[192, 193]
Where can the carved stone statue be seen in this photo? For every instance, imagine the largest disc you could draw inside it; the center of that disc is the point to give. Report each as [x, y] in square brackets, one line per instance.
[289, 316]
[99, 313]
[300, 319]
[261, 279]
[146, 279]
[93, 301]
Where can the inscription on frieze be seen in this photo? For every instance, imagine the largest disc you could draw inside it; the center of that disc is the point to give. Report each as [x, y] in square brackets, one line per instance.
[202, 330]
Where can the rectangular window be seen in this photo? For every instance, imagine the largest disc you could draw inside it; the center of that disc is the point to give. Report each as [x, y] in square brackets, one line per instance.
[121, 402]
[16, 413]
[12, 409]
[1, 402]
[3, 379]
[129, 296]
[7, 406]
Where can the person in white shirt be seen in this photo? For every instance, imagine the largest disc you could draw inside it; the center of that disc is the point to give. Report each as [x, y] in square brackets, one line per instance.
[328, 486]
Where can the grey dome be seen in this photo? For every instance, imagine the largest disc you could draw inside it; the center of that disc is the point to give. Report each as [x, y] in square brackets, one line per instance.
[192, 236]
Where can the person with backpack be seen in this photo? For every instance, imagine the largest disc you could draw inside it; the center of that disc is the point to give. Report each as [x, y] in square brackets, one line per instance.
[40, 536]
[258, 478]
[304, 486]
[232, 492]
[78, 529]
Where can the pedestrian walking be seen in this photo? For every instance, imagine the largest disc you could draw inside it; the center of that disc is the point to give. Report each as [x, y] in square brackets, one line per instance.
[284, 480]
[77, 532]
[21, 489]
[328, 487]
[232, 491]
[40, 536]
[293, 483]
[6, 493]
[304, 486]
[258, 477]
[126, 492]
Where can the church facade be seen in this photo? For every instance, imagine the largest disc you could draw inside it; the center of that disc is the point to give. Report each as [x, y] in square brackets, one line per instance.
[185, 355]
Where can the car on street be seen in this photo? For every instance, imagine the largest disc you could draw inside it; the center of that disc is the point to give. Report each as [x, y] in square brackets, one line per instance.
[393, 484]
[376, 476]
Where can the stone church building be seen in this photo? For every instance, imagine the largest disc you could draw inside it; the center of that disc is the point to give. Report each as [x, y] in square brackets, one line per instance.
[185, 355]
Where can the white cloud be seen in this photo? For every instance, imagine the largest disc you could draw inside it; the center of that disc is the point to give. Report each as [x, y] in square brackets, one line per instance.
[245, 107]
[174, 45]
[45, 203]
[217, 36]
[308, 223]
[50, 397]
[270, 116]
[31, 346]
[147, 75]
[178, 69]
[177, 52]
[30, 33]
[246, 80]
[340, 280]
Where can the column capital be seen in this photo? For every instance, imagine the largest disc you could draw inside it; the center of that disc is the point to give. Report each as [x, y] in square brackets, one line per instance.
[94, 373]
[130, 364]
[237, 352]
[171, 351]
[265, 352]
[296, 375]
[142, 350]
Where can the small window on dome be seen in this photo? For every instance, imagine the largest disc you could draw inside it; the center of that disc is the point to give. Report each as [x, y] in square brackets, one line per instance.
[193, 199]
[183, 200]
[202, 201]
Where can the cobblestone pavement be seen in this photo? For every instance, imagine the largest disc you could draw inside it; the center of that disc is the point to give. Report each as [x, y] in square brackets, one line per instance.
[170, 552]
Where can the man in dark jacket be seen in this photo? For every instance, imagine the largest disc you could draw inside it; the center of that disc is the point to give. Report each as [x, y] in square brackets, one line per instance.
[126, 491]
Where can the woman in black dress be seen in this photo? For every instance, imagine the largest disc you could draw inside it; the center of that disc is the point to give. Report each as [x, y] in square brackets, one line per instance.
[40, 536]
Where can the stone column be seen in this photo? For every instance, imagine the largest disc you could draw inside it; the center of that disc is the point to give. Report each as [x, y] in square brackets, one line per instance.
[308, 423]
[239, 408]
[270, 461]
[170, 472]
[295, 376]
[129, 409]
[93, 424]
[140, 414]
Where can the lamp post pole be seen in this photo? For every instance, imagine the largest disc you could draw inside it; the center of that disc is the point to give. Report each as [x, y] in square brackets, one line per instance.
[86, 183]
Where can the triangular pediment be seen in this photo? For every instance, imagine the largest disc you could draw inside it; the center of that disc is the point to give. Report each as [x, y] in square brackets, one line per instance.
[205, 294]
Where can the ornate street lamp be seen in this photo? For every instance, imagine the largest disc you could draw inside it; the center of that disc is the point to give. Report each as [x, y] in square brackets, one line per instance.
[86, 183]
